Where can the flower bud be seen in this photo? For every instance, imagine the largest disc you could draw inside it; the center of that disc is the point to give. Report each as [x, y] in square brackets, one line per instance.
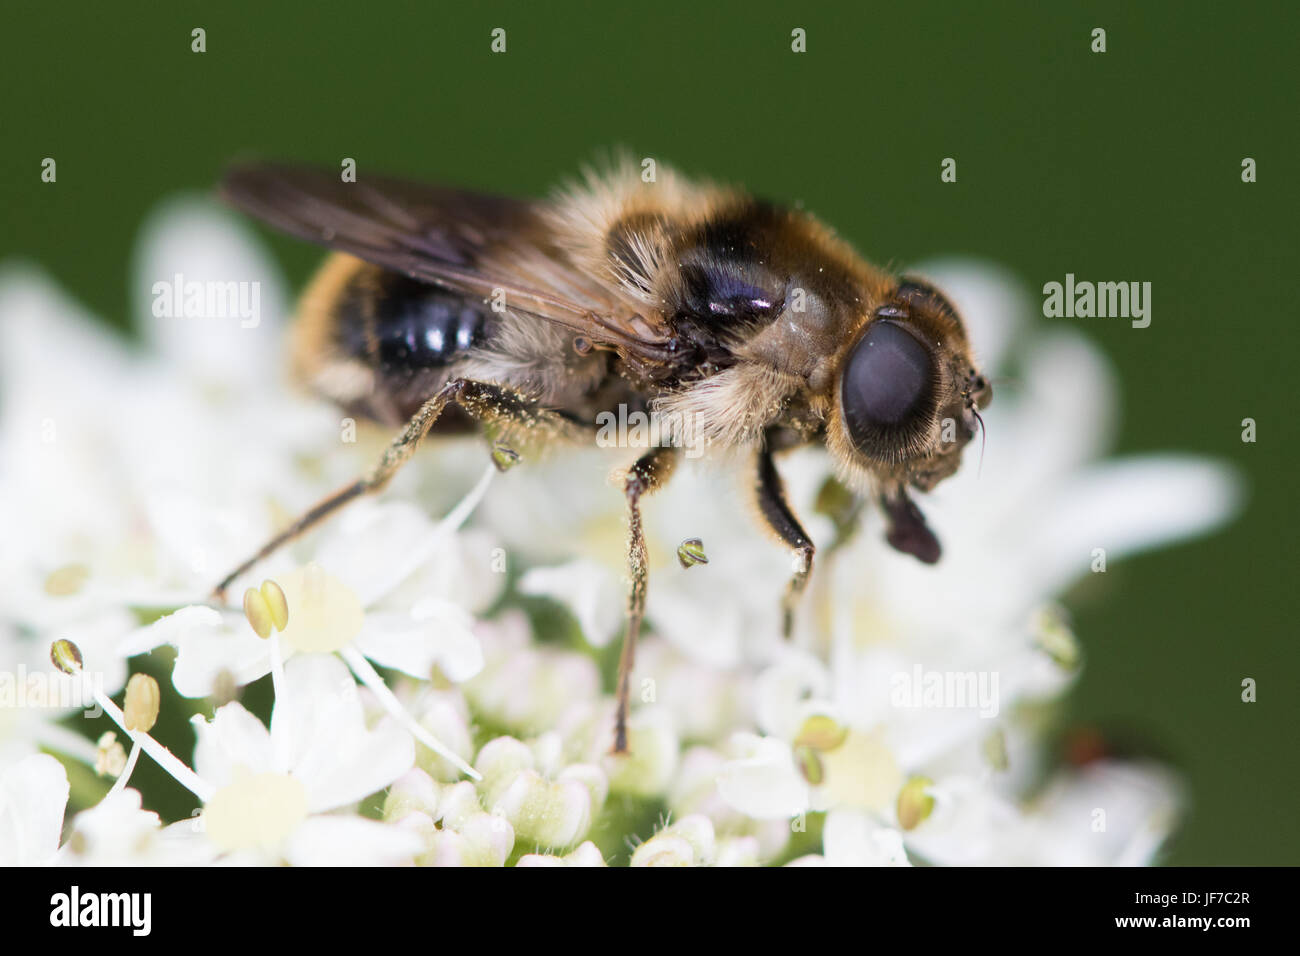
[411, 793]
[737, 851]
[422, 825]
[591, 777]
[488, 840]
[110, 756]
[688, 842]
[549, 813]
[458, 803]
[444, 718]
[647, 769]
[446, 848]
[498, 762]
[697, 830]
[588, 854]
[664, 850]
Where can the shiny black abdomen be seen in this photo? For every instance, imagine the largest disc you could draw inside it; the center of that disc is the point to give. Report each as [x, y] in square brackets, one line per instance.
[402, 327]
[410, 335]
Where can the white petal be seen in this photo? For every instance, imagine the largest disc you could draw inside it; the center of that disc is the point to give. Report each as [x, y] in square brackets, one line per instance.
[852, 838]
[1126, 507]
[319, 723]
[33, 796]
[363, 765]
[49, 344]
[208, 643]
[104, 669]
[119, 832]
[591, 592]
[1141, 802]
[469, 570]
[202, 524]
[434, 632]
[373, 546]
[784, 690]
[764, 783]
[969, 826]
[206, 244]
[351, 841]
[170, 628]
[233, 738]
[1059, 415]
[59, 417]
[317, 698]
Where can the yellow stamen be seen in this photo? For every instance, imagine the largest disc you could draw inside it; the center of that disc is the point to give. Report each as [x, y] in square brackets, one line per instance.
[276, 603]
[914, 802]
[142, 702]
[66, 657]
[821, 733]
[258, 613]
[67, 580]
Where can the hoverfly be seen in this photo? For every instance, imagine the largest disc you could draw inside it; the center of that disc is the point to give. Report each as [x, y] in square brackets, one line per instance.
[748, 323]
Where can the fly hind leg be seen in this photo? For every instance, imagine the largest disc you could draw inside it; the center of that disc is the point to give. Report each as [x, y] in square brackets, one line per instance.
[500, 409]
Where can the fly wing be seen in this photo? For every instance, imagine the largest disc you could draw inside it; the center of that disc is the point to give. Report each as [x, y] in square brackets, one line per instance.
[474, 243]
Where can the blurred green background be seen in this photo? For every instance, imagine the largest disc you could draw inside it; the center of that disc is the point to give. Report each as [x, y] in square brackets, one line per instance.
[1124, 165]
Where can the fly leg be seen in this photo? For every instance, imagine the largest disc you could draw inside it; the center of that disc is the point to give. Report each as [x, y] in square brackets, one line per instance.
[649, 473]
[775, 511]
[501, 409]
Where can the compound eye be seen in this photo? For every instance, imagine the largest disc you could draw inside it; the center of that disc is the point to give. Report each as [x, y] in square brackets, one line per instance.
[887, 382]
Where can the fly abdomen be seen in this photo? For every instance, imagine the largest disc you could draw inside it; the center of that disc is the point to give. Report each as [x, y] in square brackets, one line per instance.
[402, 326]
[427, 332]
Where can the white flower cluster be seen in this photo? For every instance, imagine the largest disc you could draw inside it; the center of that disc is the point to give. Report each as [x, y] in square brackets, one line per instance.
[901, 724]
